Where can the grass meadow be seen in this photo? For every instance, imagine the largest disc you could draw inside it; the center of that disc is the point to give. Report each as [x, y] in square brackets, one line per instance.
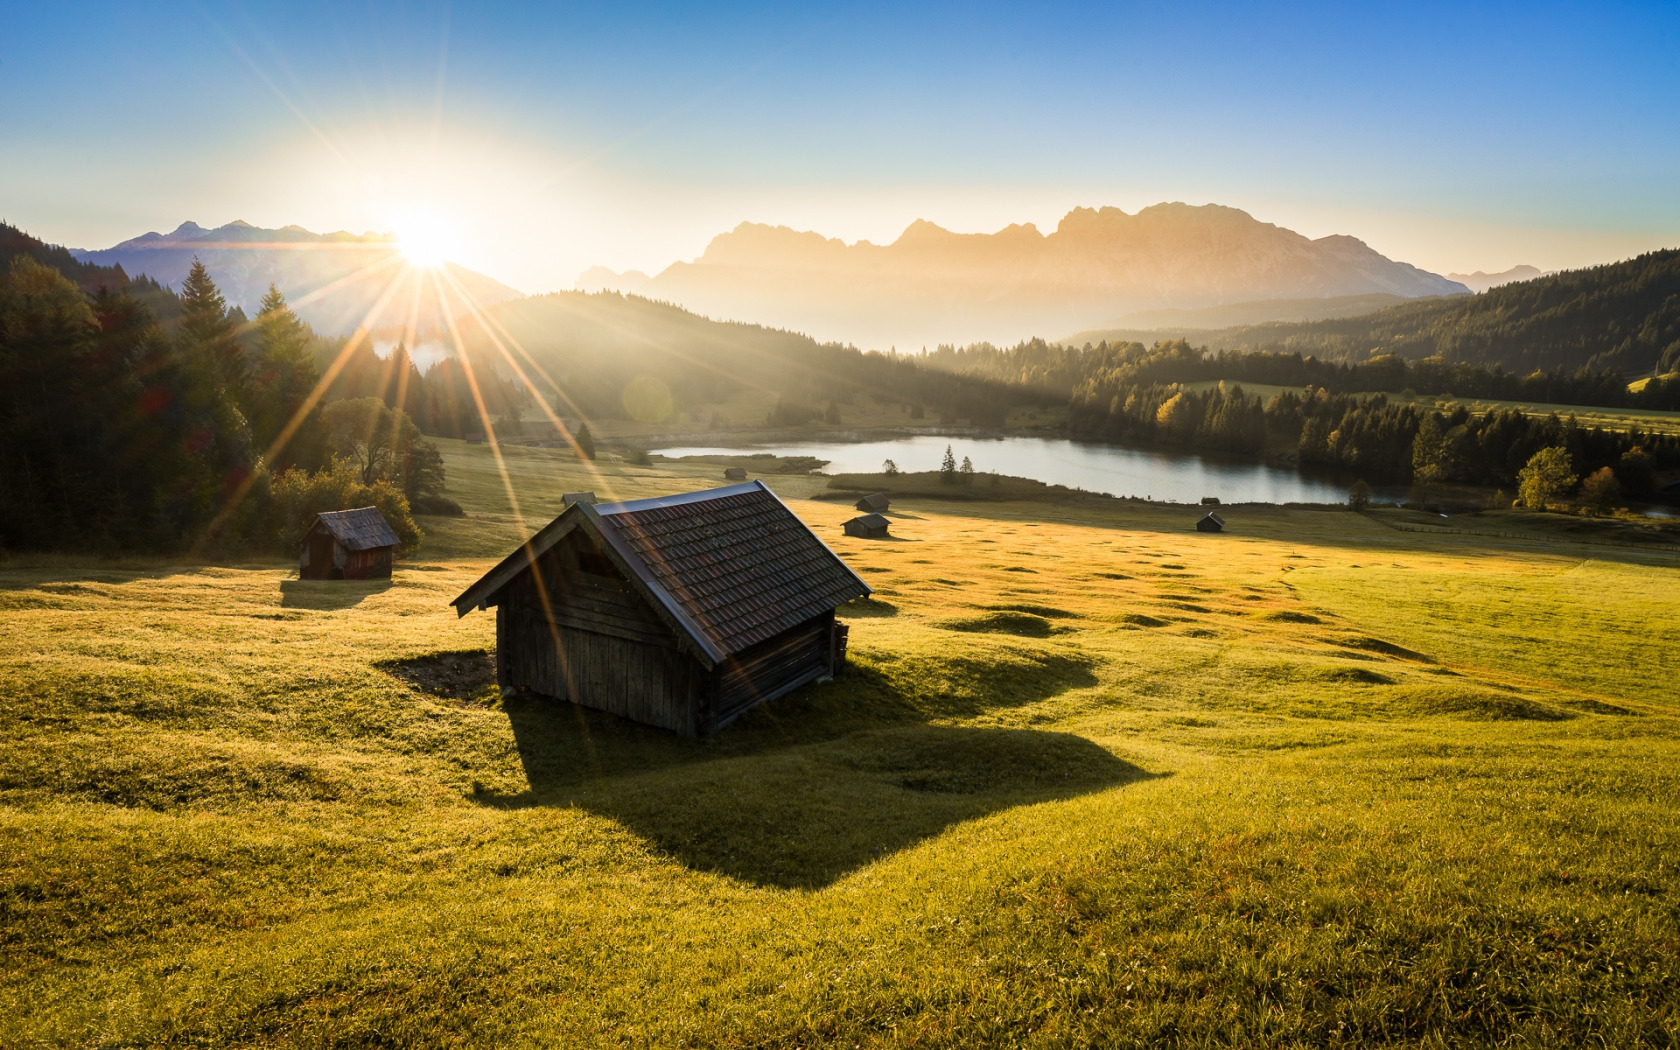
[1093, 778]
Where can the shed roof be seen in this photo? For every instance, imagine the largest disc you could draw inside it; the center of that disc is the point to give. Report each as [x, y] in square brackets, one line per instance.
[874, 501]
[361, 529]
[731, 566]
[873, 521]
[569, 498]
[1216, 519]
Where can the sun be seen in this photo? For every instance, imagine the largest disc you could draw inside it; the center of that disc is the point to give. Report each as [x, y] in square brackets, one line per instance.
[426, 240]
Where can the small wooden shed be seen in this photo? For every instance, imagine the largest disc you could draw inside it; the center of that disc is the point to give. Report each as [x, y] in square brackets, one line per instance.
[347, 545]
[1211, 523]
[874, 503]
[569, 498]
[867, 526]
[681, 611]
[735, 473]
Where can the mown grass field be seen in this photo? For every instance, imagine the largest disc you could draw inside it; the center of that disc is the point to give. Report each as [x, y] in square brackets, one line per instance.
[1093, 779]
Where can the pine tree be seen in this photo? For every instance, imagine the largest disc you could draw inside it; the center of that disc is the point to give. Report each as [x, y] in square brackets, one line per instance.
[282, 379]
[585, 442]
[948, 467]
[209, 342]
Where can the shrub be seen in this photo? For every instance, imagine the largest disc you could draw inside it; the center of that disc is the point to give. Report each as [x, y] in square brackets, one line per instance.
[1601, 492]
[1359, 497]
[296, 497]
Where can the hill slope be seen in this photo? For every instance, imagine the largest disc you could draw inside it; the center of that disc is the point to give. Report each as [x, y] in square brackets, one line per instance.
[1140, 326]
[1623, 315]
[89, 276]
[933, 286]
[335, 281]
[614, 356]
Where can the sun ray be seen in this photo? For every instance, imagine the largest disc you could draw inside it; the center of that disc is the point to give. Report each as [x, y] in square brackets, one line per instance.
[290, 430]
[478, 402]
[480, 315]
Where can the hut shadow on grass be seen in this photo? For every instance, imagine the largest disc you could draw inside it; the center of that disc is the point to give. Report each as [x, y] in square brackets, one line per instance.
[328, 594]
[796, 801]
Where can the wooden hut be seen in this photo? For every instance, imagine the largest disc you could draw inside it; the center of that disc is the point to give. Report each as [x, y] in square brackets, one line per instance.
[347, 545]
[874, 503]
[868, 527]
[569, 498]
[681, 611]
[735, 473]
[1211, 523]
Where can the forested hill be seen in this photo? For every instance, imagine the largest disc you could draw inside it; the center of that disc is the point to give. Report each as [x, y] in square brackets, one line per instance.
[1624, 315]
[88, 276]
[613, 355]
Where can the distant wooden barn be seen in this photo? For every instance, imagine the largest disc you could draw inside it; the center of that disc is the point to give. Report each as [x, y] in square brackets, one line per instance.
[875, 503]
[682, 611]
[1211, 523]
[867, 526]
[735, 473]
[347, 545]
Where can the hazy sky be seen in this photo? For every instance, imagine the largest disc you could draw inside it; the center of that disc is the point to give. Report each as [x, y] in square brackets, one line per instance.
[549, 137]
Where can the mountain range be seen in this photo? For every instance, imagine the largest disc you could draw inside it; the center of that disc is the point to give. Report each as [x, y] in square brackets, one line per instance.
[934, 286]
[334, 281]
[1481, 282]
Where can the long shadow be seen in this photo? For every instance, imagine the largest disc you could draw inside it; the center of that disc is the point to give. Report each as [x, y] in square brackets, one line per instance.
[328, 594]
[804, 792]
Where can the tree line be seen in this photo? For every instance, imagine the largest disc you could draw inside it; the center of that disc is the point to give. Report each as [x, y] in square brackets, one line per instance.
[120, 430]
[1058, 369]
[1377, 438]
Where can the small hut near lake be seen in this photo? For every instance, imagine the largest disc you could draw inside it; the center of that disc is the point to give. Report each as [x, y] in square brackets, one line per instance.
[735, 473]
[681, 611]
[1211, 523]
[868, 527]
[347, 545]
[874, 503]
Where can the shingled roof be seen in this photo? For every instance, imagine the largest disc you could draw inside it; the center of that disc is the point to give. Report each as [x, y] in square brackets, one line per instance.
[361, 529]
[731, 566]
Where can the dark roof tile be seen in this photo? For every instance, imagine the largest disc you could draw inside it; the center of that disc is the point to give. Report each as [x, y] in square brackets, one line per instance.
[359, 530]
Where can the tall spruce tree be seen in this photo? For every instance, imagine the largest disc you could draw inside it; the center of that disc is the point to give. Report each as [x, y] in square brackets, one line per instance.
[282, 376]
[209, 339]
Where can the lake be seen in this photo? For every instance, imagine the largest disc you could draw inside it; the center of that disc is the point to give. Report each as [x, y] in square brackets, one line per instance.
[1096, 468]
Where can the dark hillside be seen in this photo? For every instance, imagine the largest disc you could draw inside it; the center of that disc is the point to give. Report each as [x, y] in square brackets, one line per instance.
[89, 277]
[613, 356]
[1623, 315]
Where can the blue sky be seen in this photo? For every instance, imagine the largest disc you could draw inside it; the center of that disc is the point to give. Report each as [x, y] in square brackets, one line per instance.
[545, 138]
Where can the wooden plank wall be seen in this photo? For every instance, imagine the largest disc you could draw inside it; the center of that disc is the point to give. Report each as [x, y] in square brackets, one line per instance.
[595, 643]
[773, 667]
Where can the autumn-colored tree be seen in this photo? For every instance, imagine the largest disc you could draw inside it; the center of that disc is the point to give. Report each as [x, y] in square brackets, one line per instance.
[1601, 492]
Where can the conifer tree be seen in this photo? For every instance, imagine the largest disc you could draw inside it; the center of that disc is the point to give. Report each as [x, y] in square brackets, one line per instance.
[209, 342]
[283, 375]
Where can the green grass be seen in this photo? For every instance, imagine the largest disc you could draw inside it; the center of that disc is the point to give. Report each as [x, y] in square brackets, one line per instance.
[1312, 781]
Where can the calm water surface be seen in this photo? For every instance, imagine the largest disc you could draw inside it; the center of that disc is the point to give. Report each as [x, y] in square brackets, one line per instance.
[1095, 468]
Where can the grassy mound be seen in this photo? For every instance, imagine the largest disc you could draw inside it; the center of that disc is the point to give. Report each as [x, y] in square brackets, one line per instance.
[1457, 701]
[1025, 625]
